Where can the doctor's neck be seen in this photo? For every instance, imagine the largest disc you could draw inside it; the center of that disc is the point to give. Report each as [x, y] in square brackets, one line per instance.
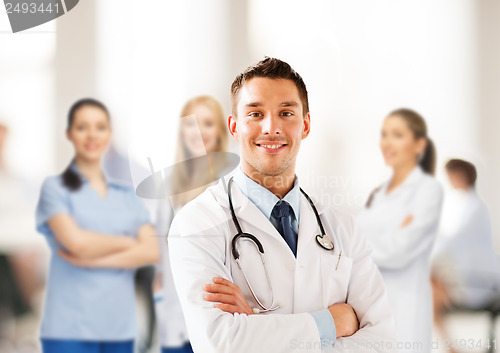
[400, 173]
[279, 184]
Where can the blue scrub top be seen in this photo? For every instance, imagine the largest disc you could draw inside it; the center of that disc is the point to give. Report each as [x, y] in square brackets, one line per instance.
[83, 303]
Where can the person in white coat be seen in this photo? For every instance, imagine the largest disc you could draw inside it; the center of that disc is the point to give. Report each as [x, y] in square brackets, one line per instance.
[309, 290]
[465, 267]
[400, 222]
[201, 131]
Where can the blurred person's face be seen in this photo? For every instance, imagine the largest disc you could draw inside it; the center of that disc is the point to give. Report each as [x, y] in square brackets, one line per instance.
[398, 143]
[90, 133]
[458, 180]
[269, 126]
[205, 124]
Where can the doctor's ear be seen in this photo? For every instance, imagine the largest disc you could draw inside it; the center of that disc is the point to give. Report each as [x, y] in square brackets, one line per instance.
[231, 124]
[307, 126]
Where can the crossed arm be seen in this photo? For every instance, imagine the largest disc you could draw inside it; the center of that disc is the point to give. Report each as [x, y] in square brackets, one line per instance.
[90, 249]
[397, 247]
[230, 299]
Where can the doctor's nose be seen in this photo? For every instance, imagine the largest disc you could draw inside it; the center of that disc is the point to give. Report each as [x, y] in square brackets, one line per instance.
[271, 125]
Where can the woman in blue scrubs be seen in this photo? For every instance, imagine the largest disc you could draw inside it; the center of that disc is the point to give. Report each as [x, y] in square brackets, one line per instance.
[99, 232]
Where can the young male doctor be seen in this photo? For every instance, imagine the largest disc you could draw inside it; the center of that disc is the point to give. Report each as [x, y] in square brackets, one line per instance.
[301, 295]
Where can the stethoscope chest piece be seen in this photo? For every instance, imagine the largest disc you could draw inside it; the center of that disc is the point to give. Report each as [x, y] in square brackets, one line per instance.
[324, 241]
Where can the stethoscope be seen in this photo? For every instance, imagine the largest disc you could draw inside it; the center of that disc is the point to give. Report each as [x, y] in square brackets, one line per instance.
[323, 240]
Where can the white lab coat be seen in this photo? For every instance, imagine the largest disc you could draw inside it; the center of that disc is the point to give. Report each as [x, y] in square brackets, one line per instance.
[403, 253]
[464, 259]
[200, 249]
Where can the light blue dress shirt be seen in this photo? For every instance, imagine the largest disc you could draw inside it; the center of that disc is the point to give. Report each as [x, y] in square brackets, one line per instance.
[83, 303]
[265, 201]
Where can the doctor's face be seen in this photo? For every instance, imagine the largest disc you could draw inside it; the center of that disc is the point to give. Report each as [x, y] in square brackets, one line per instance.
[398, 143]
[269, 126]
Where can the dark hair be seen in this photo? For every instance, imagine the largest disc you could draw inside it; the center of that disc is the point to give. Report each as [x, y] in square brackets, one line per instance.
[464, 167]
[419, 128]
[371, 196]
[72, 179]
[270, 68]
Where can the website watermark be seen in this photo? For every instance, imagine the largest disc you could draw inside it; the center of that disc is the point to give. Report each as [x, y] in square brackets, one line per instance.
[353, 344]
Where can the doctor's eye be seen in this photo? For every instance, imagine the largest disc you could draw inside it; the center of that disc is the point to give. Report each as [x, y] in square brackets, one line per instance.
[287, 113]
[255, 115]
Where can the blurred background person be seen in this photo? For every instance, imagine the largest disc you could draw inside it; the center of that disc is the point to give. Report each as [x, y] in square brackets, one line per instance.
[21, 257]
[202, 131]
[99, 232]
[465, 268]
[12, 301]
[400, 221]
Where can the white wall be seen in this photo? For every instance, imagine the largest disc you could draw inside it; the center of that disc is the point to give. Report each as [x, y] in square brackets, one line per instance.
[150, 64]
[488, 115]
[27, 97]
[362, 59]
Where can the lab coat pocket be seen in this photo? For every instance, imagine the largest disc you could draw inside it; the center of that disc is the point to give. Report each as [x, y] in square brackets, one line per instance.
[336, 272]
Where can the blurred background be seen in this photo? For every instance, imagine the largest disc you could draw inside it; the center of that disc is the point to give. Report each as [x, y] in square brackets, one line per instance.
[359, 59]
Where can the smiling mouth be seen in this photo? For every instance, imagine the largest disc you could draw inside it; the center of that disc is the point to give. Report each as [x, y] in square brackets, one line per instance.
[271, 147]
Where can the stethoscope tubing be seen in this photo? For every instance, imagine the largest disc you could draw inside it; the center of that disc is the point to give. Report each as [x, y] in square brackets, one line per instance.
[322, 240]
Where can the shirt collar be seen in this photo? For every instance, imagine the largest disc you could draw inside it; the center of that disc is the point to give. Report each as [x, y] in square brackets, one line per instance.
[264, 199]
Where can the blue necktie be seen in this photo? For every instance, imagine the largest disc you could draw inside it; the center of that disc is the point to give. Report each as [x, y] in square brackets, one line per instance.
[281, 212]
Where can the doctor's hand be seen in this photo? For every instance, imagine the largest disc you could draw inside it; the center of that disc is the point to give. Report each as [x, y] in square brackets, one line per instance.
[346, 321]
[229, 296]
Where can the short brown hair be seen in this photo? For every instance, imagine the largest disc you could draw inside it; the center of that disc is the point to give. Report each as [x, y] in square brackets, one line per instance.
[270, 68]
[464, 167]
